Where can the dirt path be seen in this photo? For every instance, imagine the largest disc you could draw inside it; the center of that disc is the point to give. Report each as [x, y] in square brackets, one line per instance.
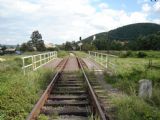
[92, 65]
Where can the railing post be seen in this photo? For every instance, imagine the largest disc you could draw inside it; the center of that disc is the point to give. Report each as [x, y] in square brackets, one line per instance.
[40, 60]
[32, 62]
[50, 55]
[35, 62]
[23, 66]
[56, 54]
[45, 57]
[106, 61]
[101, 59]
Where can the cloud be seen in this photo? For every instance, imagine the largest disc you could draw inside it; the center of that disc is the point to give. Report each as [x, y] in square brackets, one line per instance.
[156, 6]
[62, 20]
[103, 5]
[146, 7]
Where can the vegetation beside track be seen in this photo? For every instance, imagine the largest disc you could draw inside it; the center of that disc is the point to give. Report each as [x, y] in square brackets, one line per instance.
[81, 54]
[19, 93]
[62, 53]
[129, 71]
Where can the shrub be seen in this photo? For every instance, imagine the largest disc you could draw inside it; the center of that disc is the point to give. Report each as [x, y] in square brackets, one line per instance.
[134, 108]
[156, 97]
[141, 54]
[18, 94]
[126, 54]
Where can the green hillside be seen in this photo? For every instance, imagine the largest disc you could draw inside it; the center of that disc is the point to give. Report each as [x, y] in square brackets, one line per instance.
[127, 33]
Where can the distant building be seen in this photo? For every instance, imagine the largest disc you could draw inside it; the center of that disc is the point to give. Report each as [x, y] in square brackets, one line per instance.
[49, 45]
[10, 50]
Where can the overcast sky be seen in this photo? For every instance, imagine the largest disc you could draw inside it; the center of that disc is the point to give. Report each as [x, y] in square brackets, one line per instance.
[65, 20]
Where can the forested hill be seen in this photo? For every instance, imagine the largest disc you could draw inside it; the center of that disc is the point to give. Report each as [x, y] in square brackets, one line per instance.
[127, 33]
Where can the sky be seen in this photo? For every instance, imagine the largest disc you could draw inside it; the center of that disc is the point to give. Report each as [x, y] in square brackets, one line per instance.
[66, 20]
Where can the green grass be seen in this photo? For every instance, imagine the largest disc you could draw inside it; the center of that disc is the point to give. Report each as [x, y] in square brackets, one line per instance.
[149, 53]
[19, 93]
[135, 108]
[62, 54]
[81, 54]
[127, 72]
[130, 70]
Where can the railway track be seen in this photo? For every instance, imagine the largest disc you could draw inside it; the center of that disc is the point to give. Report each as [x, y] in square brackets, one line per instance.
[69, 96]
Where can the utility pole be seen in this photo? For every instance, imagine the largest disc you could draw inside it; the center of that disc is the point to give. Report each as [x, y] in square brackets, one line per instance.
[80, 44]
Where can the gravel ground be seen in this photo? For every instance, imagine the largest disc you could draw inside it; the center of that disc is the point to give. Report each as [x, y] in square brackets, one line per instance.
[52, 64]
[72, 64]
[98, 70]
[92, 65]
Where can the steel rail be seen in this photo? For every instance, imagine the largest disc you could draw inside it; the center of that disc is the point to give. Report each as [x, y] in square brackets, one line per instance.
[92, 94]
[36, 110]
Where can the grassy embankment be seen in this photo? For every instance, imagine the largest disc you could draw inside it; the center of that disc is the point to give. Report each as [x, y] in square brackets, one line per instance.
[18, 93]
[129, 70]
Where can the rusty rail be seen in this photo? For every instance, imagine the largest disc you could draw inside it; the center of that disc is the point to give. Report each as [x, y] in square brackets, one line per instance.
[95, 103]
[92, 94]
[36, 110]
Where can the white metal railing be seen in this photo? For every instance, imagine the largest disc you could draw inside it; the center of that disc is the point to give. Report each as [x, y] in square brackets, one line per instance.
[34, 62]
[106, 60]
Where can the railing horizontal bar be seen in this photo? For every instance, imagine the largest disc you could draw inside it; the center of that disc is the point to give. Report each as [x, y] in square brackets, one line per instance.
[42, 58]
[27, 66]
[27, 57]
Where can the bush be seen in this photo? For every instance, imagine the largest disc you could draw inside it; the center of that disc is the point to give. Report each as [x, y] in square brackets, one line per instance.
[134, 108]
[156, 96]
[19, 93]
[141, 54]
[126, 54]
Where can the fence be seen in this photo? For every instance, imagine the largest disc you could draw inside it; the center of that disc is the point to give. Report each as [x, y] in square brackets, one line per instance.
[106, 60]
[34, 62]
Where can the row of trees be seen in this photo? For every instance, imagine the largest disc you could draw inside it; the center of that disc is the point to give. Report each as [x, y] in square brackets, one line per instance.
[149, 42]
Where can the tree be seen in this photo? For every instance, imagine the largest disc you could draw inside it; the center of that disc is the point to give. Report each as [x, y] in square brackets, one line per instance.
[87, 47]
[24, 47]
[68, 46]
[37, 42]
[18, 47]
[4, 48]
